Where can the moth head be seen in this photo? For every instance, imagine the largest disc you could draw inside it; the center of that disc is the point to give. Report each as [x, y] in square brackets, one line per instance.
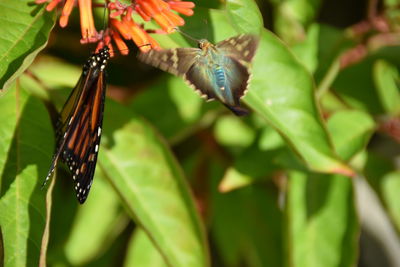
[204, 44]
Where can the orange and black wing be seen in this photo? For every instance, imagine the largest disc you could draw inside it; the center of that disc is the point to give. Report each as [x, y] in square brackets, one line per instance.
[79, 129]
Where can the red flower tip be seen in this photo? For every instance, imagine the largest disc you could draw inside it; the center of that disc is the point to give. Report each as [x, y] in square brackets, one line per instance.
[184, 8]
[52, 5]
[139, 36]
[160, 11]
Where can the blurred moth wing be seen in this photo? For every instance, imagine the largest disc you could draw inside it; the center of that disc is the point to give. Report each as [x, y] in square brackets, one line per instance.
[218, 71]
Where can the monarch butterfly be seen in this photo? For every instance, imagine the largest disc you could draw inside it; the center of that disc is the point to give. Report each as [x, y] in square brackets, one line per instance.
[79, 125]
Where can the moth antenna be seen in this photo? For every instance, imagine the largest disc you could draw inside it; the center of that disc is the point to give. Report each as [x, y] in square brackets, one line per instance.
[206, 22]
[187, 35]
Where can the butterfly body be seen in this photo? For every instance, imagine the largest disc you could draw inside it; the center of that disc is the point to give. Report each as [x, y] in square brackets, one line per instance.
[79, 125]
[218, 71]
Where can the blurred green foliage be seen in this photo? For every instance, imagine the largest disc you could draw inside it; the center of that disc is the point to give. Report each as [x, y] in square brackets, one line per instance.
[182, 182]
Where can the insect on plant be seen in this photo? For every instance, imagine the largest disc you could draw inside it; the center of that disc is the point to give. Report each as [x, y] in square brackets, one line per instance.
[220, 71]
[309, 177]
[80, 125]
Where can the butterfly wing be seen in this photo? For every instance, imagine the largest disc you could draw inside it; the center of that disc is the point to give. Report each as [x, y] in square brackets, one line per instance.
[82, 143]
[80, 126]
[242, 47]
[64, 122]
[176, 61]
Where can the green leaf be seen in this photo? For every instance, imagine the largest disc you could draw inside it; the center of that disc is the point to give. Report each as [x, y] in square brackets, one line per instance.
[307, 50]
[320, 209]
[376, 167]
[270, 139]
[350, 137]
[245, 16]
[187, 102]
[151, 186]
[247, 227]
[234, 179]
[47, 69]
[99, 219]
[231, 130]
[292, 18]
[252, 165]
[26, 139]
[362, 94]
[330, 103]
[331, 43]
[25, 30]
[321, 222]
[180, 105]
[382, 174]
[386, 77]
[141, 252]
[282, 92]
[390, 187]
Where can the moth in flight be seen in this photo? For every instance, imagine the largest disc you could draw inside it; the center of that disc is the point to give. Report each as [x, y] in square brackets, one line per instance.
[218, 71]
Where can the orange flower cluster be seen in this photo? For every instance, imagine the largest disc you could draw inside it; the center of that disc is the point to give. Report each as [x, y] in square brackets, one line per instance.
[122, 26]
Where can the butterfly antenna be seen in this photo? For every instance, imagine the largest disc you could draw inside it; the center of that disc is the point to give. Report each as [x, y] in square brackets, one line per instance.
[104, 16]
[187, 35]
[104, 22]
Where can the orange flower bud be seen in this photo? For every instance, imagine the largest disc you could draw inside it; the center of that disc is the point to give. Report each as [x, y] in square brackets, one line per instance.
[87, 23]
[69, 4]
[122, 47]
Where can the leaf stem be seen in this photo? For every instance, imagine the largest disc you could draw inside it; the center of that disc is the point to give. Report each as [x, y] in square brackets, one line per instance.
[329, 78]
[46, 232]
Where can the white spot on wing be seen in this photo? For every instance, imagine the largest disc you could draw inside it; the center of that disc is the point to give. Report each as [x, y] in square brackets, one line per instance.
[89, 185]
